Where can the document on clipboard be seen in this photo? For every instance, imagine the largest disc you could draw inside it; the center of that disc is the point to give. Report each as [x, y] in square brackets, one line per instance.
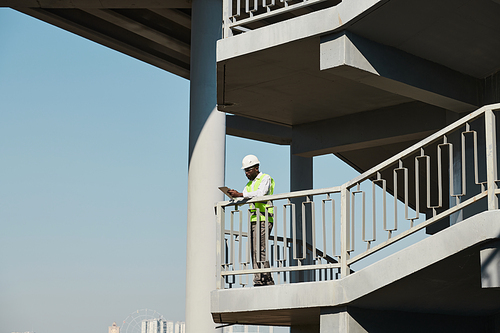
[225, 189]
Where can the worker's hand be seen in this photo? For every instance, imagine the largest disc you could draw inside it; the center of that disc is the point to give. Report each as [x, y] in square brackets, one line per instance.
[235, 193]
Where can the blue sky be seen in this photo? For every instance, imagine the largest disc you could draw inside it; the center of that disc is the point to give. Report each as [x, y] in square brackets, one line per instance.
[93, 160]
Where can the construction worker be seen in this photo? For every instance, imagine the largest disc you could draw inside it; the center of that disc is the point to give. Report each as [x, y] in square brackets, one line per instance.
[259, 185]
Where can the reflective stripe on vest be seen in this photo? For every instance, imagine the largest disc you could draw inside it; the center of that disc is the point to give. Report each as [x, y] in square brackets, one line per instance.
[261, 206]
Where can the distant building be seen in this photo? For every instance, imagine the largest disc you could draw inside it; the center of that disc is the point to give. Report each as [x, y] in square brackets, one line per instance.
[170, 327]
[180, 327]
[114, 329]
[162, 326]
[154, 326]
[248, 329]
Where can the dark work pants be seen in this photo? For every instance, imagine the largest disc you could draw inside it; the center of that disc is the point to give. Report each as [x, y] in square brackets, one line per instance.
[260, 279]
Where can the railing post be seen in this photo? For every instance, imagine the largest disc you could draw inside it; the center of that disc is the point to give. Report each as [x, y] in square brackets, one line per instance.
[226, 14]
[491, 158]
[219, 256]
[344, 231]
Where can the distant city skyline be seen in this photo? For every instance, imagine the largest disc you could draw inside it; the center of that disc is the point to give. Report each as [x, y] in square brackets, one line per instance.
[159, 325]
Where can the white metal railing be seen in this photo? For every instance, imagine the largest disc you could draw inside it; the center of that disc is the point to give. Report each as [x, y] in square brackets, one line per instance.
[239, 14]
[457, 166]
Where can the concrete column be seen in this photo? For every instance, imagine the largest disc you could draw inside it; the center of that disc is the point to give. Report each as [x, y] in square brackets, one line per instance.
[206, 165]
[338, 320]
[301, 173]
[301, 178]
[490, 265]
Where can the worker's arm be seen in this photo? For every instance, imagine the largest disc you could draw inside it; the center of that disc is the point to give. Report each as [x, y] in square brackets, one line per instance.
[235, 194]
[263, 189]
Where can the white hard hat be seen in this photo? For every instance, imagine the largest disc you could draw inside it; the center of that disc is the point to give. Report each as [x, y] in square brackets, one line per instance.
[249, 161]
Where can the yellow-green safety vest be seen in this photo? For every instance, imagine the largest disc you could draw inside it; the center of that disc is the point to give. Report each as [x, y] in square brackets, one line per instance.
[261, 206]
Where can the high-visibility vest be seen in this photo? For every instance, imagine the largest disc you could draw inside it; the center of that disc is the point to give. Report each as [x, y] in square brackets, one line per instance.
[261, 206]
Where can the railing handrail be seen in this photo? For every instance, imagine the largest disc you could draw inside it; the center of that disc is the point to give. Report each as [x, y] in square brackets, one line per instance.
[365, 175]
[424, 142]
[281, 196]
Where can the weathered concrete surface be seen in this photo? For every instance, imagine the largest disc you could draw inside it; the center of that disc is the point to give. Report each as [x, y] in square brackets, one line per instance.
[206, 147]
[313, 24]
[490, 265]
[387, 68]
[254, 129]
[369, 129]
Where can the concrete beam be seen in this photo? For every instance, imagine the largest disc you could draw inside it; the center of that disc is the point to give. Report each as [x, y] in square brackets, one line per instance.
[387, 68]
[254, 129]
[404, 122]
[174, 16]
[309, 25]
[105, 40]
[338, 320]
[301, 178]
[97, 3]
[141, 30]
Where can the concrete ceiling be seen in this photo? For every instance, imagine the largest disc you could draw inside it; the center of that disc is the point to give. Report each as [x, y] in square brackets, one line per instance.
[155, 31]
[284, 83]
[460, 34]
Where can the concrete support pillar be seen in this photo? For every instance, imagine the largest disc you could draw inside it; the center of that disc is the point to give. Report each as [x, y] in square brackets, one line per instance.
[490, 265]
[492, 89]
[301, 178]
[338, 320]
[206, 165]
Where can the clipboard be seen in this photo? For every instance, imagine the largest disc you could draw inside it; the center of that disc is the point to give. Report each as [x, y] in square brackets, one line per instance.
[225, 190]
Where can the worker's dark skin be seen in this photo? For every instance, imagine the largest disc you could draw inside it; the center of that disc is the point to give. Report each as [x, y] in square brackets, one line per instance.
[251, 173]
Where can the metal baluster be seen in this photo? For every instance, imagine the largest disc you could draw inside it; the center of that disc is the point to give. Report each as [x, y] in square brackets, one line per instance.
[323, 207]
[220, 248]
[304, 228]
[249, 10]
[491, 158]
[344, 230]
[231, 237]
[249, 238]
[374, 204]
[353, 208]
[395, 173]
